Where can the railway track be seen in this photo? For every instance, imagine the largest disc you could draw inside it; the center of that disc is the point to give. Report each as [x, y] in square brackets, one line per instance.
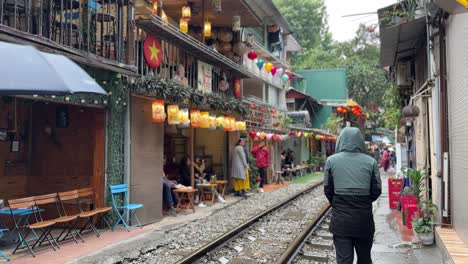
[314, 245]
[272, 236]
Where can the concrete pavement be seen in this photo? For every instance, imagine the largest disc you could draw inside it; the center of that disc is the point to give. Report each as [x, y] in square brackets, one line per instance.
[393, 242]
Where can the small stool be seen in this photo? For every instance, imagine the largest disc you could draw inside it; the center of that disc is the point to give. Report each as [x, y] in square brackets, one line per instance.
[185, 195]
[222, 184]
[279, 177]
[207, 189]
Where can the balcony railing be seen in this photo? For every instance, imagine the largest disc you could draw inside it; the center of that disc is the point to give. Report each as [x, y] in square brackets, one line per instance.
[173, 58]
[91, 26]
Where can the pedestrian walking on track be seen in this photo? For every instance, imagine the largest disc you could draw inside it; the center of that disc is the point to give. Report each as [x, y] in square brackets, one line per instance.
[352, 182]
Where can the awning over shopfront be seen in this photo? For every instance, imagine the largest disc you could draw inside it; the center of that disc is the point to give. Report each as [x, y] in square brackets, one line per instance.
[399, 41]
[24, 71]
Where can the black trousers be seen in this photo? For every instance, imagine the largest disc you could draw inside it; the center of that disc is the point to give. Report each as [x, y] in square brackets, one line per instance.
[345, 247]
[262, 172]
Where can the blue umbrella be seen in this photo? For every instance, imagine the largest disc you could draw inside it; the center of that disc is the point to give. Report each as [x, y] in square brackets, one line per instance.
[24, 71]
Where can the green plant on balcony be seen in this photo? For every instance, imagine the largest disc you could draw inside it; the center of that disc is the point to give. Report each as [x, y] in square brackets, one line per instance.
[400, 13]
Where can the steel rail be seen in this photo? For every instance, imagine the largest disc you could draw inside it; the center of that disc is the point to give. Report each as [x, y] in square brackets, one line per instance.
[201, 252]
[294, 248]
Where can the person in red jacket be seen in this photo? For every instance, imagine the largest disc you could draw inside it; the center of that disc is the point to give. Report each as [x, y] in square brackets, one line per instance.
[262, 161]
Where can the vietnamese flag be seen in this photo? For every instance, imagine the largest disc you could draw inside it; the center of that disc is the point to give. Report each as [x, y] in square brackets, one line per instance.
[152, 51]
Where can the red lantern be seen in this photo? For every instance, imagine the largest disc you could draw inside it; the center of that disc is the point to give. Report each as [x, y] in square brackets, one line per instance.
[273, 70]
[237, 88]
[289, 75]
[339, 109]
[253, 134]
[252, 55]
[276, 137]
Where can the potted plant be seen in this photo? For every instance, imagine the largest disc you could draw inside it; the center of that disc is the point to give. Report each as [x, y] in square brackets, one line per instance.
[423, 224]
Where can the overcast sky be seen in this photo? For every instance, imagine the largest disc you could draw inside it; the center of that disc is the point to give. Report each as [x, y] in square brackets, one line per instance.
[344, 28]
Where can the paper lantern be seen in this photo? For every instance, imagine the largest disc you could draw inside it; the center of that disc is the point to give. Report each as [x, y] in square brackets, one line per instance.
[280, 71]
[268, 67]
[173, 115]
[164, 17]
[236, 23]
[284, 137]
[243, 126]
[195, 118]
[186, 13]
[269, 136]
[212, 121]
[276, 137]
[183, 25]
[299, 134]
[260, 63]
[306, 135]
[184, 117]
[220, 121]
[252, 55]
[207, 29]
[262, 135]
[237, 88]
[273, 70]
[252, 134]
[205, 120]
[155, 7]
[285, 77]
[318, 137]
[229, 123]
[157, 111]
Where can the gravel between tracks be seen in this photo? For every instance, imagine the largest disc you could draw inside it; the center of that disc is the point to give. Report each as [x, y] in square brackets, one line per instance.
[189, 237]
[266, 240]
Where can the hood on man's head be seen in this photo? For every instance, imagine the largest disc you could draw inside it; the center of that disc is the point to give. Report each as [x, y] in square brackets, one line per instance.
[350, 140]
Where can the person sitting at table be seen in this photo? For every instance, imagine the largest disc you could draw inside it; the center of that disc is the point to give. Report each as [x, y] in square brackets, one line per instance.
[184, 171]
[169, 197]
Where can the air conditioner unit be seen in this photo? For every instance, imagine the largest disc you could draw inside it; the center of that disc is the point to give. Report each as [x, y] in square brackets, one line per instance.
[403, 76]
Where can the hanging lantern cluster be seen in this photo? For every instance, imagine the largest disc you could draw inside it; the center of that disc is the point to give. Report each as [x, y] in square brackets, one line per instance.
[267, 136]
[352, 108]
[195, 118]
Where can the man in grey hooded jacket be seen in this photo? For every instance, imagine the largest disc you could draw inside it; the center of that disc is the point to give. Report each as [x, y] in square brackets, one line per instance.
[352, 182]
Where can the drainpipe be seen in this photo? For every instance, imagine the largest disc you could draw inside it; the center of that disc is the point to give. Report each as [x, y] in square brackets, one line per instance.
[446, 216]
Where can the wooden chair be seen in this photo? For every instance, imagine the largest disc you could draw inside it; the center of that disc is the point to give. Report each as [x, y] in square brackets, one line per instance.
[89, 215]
[44, 226]
[68, 220]
[70, 196]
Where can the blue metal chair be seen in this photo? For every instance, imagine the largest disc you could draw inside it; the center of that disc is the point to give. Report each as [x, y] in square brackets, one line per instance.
[1, 253]
[126, 207]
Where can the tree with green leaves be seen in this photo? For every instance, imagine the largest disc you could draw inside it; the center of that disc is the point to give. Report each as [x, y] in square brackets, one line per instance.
[309, 22]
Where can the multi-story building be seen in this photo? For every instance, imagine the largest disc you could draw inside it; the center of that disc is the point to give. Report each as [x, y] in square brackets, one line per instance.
[426, 49]
[191, 54]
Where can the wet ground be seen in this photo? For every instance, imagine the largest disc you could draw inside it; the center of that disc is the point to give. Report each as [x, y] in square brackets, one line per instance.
[394, 242]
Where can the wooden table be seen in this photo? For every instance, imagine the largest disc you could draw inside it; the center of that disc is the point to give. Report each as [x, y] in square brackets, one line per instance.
[222, 184]
[207, 189]
[185, 195]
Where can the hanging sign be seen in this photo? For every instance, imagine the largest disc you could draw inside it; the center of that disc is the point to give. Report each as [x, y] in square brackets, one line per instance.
[152, 51]
[205, 77]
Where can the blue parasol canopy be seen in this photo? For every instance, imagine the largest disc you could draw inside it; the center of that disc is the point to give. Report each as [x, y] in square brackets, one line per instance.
[25, 71]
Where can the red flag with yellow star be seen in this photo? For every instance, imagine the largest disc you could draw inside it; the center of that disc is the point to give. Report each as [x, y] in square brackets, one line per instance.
[152, 51]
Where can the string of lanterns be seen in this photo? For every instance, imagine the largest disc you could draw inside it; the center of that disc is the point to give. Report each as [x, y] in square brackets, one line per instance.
[195, 118]
[291, 134]
[353, 108]
[268, 66]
